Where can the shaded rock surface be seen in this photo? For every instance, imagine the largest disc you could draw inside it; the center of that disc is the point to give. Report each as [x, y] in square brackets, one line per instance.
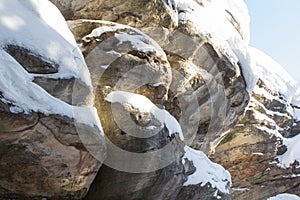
[196, 192]
[43, 156]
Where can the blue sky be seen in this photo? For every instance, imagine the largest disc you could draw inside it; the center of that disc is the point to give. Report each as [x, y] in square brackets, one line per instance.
[275, 29]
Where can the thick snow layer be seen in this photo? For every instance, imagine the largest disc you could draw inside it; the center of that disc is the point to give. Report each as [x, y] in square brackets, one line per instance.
[239, 11]
[25, 96]
[206, 171]
[213, 17]
[296, 113]
[246, 61]
[38, 25]
[285, 196]
[276, 79]
[274, 75]
[145, 105]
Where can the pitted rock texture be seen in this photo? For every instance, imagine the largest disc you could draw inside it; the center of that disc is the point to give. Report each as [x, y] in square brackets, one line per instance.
[114, 184]
[200, 65]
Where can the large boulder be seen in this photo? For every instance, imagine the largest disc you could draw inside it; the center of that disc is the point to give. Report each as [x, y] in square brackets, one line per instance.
[44, 156]
[208, 91]
[52, 143]
[121, 59]
[125, 62]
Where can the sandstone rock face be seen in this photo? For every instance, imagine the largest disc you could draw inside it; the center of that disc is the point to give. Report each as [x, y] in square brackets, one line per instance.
[249, 150]
[202, 73]
[199, 65]
[43, 156]
[203, 80]
[172, 82]
[123, 58]
[135, 63]
[134, 13]
[44, 136]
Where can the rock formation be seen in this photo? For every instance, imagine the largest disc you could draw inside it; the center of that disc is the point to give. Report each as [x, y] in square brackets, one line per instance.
[43, 130]
[185, 108]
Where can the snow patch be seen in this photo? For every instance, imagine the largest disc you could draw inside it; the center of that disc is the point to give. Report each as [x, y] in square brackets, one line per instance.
[219, 24]
[274, 75]
[293, 151]
[246, 62]
[25, 96]
[144, 104]
[137, 38]
[285, 196]
[206, 171]
[37, 25]
[240, 189]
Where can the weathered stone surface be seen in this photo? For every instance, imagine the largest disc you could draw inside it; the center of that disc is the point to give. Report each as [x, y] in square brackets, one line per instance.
[155, 185]
[196, 192]
[249, 149]
[46, 149]
[31, 61]
[43, 156]
[133, 13]
[71, 90]
[114, 184]
[143, 69]
[116, 61]
[206, 74]
[186, 73]
[218, 83]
